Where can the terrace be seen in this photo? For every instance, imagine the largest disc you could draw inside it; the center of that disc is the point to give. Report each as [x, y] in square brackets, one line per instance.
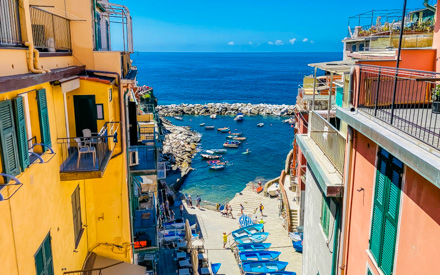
[401, 98]
[87, 157]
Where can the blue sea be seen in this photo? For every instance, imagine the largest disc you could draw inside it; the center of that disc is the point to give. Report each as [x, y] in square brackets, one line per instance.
[231, 77]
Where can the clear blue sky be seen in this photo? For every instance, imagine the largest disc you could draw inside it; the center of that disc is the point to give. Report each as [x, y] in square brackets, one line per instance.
[245, 25]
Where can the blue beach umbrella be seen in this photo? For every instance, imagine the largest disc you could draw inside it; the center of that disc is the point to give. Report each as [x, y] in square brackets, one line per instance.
[245, 220]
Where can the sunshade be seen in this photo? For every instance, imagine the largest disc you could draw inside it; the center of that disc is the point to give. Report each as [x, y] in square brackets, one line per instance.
[245, 220]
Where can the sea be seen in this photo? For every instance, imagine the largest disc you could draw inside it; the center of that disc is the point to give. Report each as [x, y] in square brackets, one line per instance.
[255, 78]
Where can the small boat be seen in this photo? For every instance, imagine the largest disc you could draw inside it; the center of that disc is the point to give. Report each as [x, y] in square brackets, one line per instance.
[297, 245]
[231, 144]
[259, 189]
[263, 267]
[246, 152]
[178, 117]
[209, 152]
[237, 134]
[260, 124]
[295, 236]
[219, 151]
[209, 127]
[249, 256]
[239, 138]
[217, 167]
[253, 247]
[213, 116]
[205, 156]
[248, 230]
[272, 190]
[224, 129]
[254, 238]
[202, 124]
[212, 162]
[239, 117]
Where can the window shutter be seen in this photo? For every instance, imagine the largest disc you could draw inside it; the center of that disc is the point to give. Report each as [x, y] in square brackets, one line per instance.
[44, 117]
[21, 133]
[378, 208]
[48, 256]
[8, 140]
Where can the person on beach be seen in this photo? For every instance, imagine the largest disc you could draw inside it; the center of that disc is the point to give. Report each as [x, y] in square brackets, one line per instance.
[199, 200]
[190, 201]
[172, 214]
[225, 239]
[241, 208]
[261, 209]
[230, 212]
[181, 209]
[262, 222]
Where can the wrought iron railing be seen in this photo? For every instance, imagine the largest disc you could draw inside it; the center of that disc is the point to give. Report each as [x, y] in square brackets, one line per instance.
[83, 154]
[10, 33]
[50, 32]
[401, 98]
[328, 138]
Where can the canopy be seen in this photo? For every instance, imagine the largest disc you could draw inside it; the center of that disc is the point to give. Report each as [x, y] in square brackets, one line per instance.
[245, 220]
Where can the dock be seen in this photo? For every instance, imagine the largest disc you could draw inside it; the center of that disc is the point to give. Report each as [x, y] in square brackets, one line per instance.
[212, 226]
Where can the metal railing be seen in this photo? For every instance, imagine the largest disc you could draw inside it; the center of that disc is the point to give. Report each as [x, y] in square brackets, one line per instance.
[401, 98]
[10, 33]
[83, 154]
[328, 138]
[142, 158]
[49, 31]
[92, 271]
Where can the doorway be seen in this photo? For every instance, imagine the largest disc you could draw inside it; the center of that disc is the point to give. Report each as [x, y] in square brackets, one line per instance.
[85, 113]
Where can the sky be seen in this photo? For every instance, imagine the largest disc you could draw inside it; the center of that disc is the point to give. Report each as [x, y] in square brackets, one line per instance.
[245, 25]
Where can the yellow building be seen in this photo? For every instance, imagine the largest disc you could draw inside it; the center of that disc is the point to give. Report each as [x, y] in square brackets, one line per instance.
[65, 194]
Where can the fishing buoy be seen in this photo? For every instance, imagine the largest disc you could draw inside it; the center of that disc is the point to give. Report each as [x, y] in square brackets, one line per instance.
[291, 126]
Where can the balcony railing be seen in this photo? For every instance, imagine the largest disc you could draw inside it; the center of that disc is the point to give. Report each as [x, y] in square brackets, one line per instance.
[143, 158]
[88, 154]
[401, 98]
[49, 31]
[328, 139]
[10, 33]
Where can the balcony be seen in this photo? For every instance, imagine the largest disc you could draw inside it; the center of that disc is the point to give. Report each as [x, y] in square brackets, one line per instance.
[10, 33]
[401, 98]
[50, 32]
[87, 157]
[328, 139]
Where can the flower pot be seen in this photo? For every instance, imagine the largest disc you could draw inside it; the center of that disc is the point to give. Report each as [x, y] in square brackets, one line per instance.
[436, 107]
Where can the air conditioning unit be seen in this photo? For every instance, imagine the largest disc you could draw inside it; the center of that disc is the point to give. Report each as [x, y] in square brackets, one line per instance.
[133, 157]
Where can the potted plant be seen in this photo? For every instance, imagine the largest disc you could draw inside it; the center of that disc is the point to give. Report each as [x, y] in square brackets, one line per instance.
[436, 99]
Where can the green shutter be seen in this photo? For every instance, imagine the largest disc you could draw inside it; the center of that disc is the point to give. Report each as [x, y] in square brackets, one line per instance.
[369, 272]
[44, 117]
[8, 140]
[21, 133]
[43, 258]
[325, 215]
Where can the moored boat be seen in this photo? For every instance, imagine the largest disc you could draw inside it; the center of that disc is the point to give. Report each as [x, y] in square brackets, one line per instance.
[213, 116]
[260, 124]
[219, 151]
[248, 230]
[217, 167]
[239, 138]
[239, 117]
[206, 156]
[237, 134]
[231, 144]
[297, 245]
[249, 256]
[202, 124]
[254, 238]
[224, 129]
[263, 267]
[209, 127]
[178, 117]
[272, 190]
[253, 247]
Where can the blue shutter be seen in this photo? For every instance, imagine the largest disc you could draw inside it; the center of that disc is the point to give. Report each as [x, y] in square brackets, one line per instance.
[44, 118]
[21, 133]
[8, 140]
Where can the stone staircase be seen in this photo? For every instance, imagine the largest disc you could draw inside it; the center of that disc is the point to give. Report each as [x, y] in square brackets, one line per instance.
[250, 201]
[294, 220]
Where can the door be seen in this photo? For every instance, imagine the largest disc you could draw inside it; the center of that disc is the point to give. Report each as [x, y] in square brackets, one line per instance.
[85, 113]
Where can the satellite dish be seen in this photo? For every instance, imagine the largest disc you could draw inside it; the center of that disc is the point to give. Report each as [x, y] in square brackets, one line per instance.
[1, 197]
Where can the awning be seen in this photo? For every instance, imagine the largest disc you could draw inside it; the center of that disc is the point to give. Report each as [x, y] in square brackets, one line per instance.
[115, 267]
[59, 12]
[342, 66]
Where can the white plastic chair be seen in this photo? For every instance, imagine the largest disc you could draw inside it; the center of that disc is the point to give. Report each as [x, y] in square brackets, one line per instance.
[84, 149]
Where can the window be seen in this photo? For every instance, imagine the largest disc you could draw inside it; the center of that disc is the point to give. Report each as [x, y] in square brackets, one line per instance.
[44, 118]
[22, 138]
[8, 140]
[325, 214]
[77, 221]
[10, 34]
[386, 210]
[43, 258]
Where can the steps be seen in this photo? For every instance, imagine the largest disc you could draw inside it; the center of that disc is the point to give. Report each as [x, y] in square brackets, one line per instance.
[250, 201]
[294, 220]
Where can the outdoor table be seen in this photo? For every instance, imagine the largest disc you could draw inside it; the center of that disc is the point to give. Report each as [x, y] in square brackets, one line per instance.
[184, 263]
[205, 270]
[184, 271]
[181, 255]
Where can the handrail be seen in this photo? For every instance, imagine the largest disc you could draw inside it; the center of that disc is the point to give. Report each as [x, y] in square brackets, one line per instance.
[18, 183]
[93, 269]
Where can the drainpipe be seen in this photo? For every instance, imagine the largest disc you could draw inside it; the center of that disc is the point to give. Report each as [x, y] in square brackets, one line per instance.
[428, 6]
[37, 61]
[31, 52]
[335, 243]
[350, 87]
[345, 207]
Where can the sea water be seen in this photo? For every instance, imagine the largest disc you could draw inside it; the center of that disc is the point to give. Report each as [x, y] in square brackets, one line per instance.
[231, 77]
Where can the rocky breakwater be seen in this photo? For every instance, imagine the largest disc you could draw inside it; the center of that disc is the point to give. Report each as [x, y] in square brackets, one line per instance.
[181, 142]
[225, 109]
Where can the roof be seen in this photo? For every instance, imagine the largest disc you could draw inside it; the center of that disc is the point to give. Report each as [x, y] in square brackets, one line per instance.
[342, 66]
